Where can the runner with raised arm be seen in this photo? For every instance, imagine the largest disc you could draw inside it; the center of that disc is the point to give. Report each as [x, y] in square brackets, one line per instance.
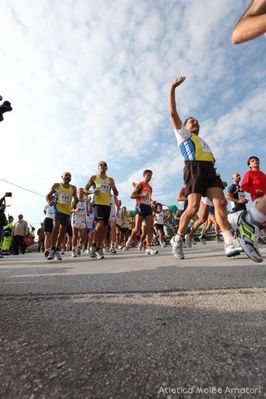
[199, 176]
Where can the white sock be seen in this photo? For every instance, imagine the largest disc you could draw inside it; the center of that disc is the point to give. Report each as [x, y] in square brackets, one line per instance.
[256, 217]
[228, 237]
[179, 237]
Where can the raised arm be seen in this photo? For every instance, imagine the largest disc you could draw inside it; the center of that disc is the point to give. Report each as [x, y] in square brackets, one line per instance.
[252, 23]
[172, 105]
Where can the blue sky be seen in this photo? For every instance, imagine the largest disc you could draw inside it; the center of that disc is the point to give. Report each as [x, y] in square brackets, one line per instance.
[89, 81]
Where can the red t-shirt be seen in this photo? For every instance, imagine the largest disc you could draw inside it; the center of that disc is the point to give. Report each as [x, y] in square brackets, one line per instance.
[253, 180]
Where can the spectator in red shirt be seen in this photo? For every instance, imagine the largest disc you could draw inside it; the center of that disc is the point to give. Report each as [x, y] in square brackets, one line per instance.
[254, 181]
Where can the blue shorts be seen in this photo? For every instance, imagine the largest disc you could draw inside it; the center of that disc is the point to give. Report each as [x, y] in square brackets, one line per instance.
[211, 210]
[90, 229]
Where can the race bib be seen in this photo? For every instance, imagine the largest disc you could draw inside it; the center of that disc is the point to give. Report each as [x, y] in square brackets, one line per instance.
[104, 188]
[205, 146]
[145, 197]
[64, 198]
[241, 195]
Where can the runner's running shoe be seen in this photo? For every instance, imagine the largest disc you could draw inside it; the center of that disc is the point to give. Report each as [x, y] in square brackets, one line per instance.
[57, 255]
[188, 241]
[99, 253]
[177, 248]
[233, 249]
[74, 253]
[150, 251]
[93, 252]
[51, 254]
[202, 239]
[128, 245]
[140, 246]
[247, 237]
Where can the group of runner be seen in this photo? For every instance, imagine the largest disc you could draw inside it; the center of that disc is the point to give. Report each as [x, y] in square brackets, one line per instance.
[97, 218]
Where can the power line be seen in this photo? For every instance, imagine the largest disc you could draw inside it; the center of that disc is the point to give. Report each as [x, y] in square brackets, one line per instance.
[23, 188]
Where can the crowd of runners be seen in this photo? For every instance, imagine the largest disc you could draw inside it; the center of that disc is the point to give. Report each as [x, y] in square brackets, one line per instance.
[91, 220]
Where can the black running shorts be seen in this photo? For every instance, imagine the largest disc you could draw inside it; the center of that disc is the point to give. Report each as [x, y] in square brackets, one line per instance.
[199, 176]
[102, 213]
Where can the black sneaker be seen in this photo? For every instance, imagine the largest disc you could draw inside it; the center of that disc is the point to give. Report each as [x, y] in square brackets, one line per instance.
[99, 253]
[92, 252]
[58, 255]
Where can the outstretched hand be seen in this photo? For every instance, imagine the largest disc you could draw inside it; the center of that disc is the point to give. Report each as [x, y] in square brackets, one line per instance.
[178, 81]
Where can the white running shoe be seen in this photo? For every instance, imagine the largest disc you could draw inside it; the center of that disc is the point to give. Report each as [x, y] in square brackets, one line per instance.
[51, 254]
[232, 249]
[128, 245]
[177, 248]
[150, 251]
[188, 241]
[74, 253]
[140, 246]
[202, 239]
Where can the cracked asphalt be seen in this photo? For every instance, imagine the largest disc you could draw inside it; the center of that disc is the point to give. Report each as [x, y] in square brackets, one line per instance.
[133, 326]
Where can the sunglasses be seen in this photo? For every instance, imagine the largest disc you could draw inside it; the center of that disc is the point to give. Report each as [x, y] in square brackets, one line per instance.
[102, 164]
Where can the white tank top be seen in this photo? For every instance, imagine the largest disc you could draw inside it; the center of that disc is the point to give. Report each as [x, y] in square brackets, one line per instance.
[49, 212]
[158, 218]
[81, 209]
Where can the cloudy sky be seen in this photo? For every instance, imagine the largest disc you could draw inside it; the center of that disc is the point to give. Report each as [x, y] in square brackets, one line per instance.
[88, 80]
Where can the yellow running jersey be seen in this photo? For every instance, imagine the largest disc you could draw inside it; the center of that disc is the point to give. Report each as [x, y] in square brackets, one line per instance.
[192, 147]
[64, 197]
[104, 196]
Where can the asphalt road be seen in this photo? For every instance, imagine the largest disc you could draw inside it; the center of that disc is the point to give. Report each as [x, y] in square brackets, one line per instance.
[133, 326]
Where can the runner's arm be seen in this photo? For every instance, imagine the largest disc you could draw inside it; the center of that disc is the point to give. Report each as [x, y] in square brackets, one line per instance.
[52, 191]
[135, 193]
[177, 123]
[113, 187]
[252, 23]
[75, 195]
[230, 197]
[86, 189]
[181, 195]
